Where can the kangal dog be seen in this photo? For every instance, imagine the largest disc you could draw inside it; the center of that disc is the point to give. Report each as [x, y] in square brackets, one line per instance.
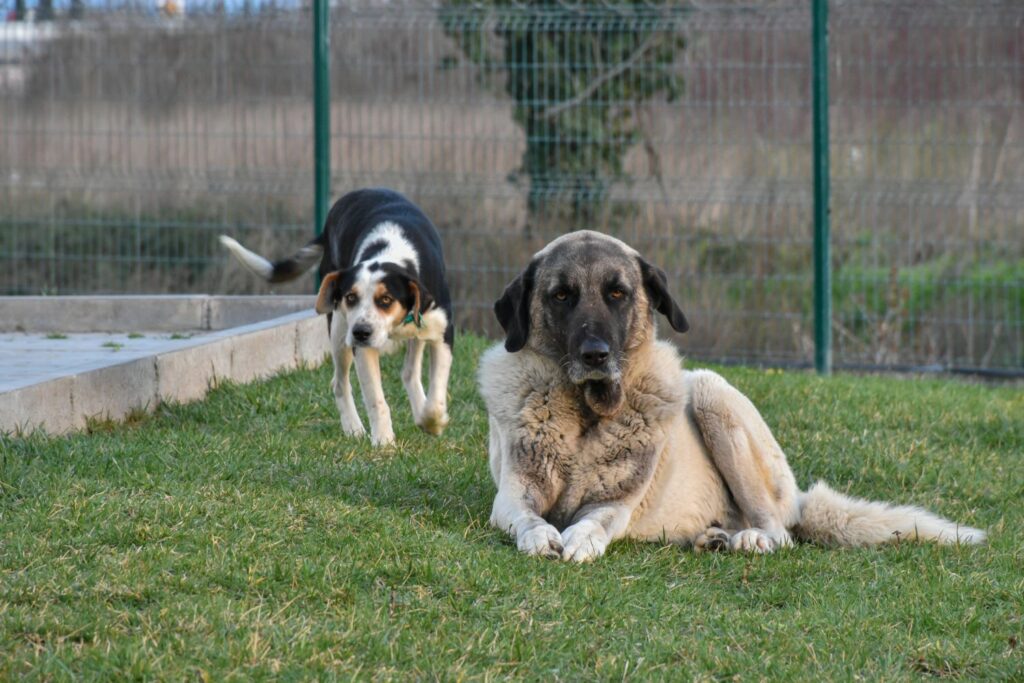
[597, 433]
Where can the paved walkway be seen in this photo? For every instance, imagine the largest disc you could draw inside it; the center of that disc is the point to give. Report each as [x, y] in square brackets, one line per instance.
[26, 359]
[58, 368]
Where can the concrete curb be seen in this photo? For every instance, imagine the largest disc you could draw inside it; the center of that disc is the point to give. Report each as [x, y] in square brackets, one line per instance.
[239, 354]
[150, 313]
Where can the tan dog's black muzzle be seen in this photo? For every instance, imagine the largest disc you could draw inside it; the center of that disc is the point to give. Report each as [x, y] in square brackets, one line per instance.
[594, 352]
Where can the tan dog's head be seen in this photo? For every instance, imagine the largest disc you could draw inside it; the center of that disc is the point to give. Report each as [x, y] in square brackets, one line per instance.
[586, 300]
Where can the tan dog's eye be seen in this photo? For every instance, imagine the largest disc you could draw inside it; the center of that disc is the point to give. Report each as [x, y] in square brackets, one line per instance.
[351, 298]
[561, 295]
[616, 294]
[384, 301]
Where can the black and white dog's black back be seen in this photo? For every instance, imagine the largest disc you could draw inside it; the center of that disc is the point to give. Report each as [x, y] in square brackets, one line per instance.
[382, 282]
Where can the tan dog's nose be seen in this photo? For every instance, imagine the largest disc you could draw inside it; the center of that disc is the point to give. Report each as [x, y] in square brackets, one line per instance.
[594, 352]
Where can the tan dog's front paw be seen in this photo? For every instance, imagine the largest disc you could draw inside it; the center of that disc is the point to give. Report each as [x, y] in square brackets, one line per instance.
[584, 541]
[781, 539]
[543, 540]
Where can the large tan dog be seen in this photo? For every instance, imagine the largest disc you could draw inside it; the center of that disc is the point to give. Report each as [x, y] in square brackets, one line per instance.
[597, 433]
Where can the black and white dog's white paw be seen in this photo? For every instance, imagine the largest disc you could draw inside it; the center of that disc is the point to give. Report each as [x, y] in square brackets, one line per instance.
[433, 422]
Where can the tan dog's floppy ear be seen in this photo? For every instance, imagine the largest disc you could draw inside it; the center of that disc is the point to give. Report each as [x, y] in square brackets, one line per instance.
[328, 298]
[513, 309]
[656, 285]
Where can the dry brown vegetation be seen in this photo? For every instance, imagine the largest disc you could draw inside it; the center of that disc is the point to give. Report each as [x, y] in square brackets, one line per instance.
[127, 148]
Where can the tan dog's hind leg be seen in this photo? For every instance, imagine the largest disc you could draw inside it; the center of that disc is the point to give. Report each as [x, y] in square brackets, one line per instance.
[712, 540]
[749, 460]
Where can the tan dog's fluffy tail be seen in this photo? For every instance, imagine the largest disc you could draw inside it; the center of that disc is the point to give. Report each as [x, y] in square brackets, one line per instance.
[831, 518]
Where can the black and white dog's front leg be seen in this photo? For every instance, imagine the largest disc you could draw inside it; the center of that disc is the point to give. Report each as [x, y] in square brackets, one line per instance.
[412, 377]
[429, 411]
[341, 384]
[434, 417]
[377, 410]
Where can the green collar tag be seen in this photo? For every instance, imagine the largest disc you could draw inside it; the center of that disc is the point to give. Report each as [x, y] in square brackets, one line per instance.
[410, 318]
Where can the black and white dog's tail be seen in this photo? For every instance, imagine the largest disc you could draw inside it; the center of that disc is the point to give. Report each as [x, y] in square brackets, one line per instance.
[282, 270]
[831, 518]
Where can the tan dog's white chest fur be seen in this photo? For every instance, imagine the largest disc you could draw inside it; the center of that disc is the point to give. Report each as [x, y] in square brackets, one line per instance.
[590, 463]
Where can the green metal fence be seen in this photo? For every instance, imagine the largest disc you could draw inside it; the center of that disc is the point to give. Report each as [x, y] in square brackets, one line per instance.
[128, 141]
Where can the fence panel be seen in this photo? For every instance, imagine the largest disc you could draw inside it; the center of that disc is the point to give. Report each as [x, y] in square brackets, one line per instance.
[683, 131]
[130, 139]
[928, 183]
[127, 142]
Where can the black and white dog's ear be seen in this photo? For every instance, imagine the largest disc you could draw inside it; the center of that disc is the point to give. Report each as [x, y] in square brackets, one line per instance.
[422, 299]
[513, 309]
[326, 299]
[332, 288]
[656, 285]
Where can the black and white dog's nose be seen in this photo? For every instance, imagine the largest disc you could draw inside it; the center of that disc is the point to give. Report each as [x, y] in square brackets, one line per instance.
[362, 333]
[594, 352]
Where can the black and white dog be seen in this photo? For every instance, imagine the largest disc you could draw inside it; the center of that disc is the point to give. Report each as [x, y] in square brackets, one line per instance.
[382, 281]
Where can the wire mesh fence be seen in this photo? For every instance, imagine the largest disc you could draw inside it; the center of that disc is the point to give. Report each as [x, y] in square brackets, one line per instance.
[130, 138]
[928, 168]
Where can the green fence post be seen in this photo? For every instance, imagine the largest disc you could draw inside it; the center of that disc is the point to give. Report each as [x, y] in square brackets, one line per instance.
[822, 265]
[321, 116]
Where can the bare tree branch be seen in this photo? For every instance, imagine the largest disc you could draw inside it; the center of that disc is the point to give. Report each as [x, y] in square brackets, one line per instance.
[592, 87]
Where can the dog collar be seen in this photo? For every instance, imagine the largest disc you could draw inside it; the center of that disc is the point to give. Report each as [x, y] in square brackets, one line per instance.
[410, 318]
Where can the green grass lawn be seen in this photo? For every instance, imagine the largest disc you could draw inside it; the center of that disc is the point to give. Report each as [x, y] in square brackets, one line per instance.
[245, 537]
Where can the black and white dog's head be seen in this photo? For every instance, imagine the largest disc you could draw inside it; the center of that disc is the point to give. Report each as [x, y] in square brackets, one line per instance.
[376, 296]
[381, 267]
